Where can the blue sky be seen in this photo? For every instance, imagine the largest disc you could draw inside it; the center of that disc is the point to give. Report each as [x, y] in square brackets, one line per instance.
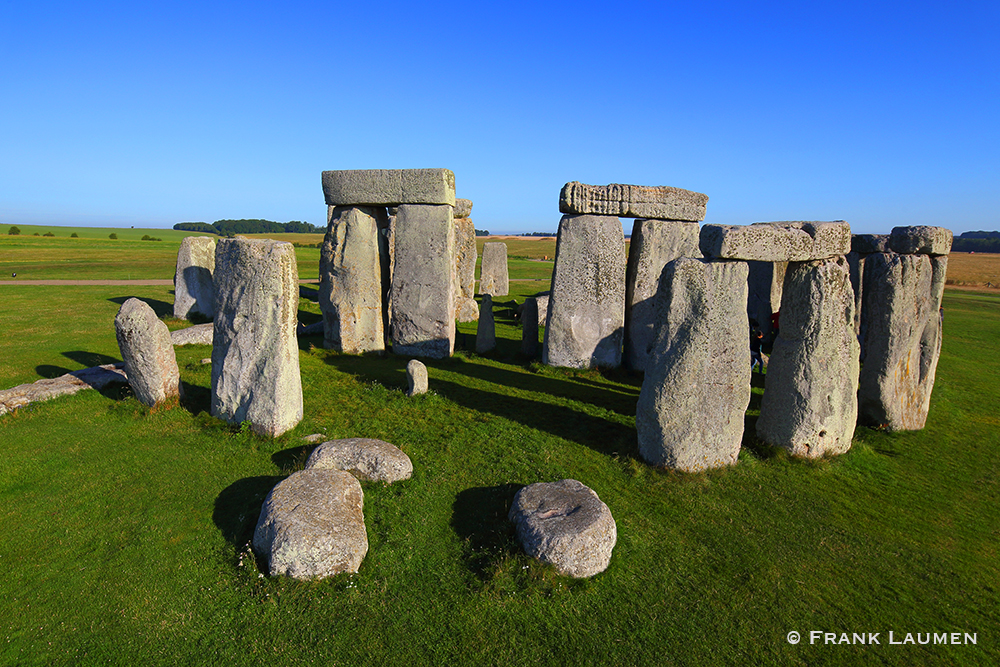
[148, 114]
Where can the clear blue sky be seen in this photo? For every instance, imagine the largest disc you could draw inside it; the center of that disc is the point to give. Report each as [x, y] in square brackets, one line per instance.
[148, 114]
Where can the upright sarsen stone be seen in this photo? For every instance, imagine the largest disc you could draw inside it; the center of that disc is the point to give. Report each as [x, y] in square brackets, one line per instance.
[255, 353]
[194, 291]
[486, 338]
[148, 353]
[810, 403]
[586, 317]
[493, 273]
[697, 385]
[466, 308]
[423, 296]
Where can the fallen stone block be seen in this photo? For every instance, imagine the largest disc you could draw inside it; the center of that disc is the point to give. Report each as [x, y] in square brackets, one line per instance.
[776, 241]
[920, 240]
[366, 458]
[389, 187]
[97, 377]
[632, 201]
[148, 354]
[197, 334]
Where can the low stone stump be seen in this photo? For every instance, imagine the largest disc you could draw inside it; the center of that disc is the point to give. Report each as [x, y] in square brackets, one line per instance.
[466, 308]
[776, 241]
[366, 458]
[416, 378]
[197, 334]
[486, 338]
[564, 523]
[632, 201]
[529, 327]
[586, 317]
[194, 291]
[150, 363]
[255, 353]
[810, 403]
[493, 274]
[697, 387]
[312, 525]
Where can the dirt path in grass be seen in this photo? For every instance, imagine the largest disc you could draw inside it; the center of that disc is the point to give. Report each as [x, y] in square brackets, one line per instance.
[15, 281]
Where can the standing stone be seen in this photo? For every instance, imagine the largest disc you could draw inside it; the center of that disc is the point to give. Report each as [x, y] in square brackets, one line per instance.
[148, 353]
[351, 289]
[194, 292]
[697, 385]
[810, 403]
[493, 274]
[466, 308]
[423, 297]
[586, 318]
[486, 339]
[902, 329]
[529, 328]
[416, 378]
[255, 353]
[654, 244]
[764, 292]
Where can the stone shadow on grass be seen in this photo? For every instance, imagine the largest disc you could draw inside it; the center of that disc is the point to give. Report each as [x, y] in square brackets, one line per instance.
[89, 359]
[237, 508]
[195, 399]
[292, 459]
[161, 308]
[479, 518]
[49, 371]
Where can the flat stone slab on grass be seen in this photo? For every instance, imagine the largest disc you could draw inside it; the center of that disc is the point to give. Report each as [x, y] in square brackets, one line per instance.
[198, 334]
[777, 241]
[389, 187]
[96, 377]
[366, 458]
[632, 201]
[312, 525]
[148, 354]
[564, 523]
[920, 240]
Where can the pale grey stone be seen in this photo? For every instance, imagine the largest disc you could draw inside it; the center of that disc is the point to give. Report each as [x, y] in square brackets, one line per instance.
[493, 272]
[148, 354]
[566, 524]
[416, 378]
[314, 438]
[542, 299]
[586, 316]
[632, 201]
[529, 327]
[810, 403]
[423, 296]
[764, 283]
[463, 208]
[865, 244]
[389, 187]
[654, 244]
[97, 377]
[466, 308]
[366, 458]
[920, 240]
[312, 525]
[255, 354]
[197, 334]
[902, 338]
[205, 361]
[194, 293]
[777, 241]
[697, 386]
[486, 329]
[350, 273]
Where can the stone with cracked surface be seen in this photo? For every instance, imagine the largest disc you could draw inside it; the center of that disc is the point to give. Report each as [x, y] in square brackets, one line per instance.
[632, 201]
[197, 334]
[466, 308]
[777, 241]
[416, 378]
[148, 354]
[367, 459]
[463, 208]
[389, 187]
[194, 292]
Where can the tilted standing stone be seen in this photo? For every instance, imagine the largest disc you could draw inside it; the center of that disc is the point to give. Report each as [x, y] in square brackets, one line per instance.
[194, 291]
[654, 244]
[529, 327]
[466, 308]
[486, 339]
[586, 318]
[493, 273]
[148, 353]
[810, 403]
[697, 386]
[423, 296]
[416, 378]
[632, 201]
[255, 353]
[351, 289]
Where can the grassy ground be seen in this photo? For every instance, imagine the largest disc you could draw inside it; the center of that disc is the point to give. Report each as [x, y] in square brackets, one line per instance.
[124, 529]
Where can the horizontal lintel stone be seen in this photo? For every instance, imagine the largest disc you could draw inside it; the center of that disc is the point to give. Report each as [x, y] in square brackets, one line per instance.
[632, 201]
[866, 244]
[920, 240]
[776, 241]
[389, 187]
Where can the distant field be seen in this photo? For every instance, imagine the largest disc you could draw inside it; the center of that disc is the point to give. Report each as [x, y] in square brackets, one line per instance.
[976, 269]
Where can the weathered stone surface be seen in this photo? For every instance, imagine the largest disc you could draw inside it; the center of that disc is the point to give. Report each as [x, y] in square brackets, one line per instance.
[312, 525]
[194, 292]
[542, 299]
[697, 386]
[389, 187]
[314, 329]
[865, 244]
[148, 354]
[416, 378]
[920, 240]
[566, 524]
[586, 318]
[463, 208]
[486, 339]
[423, 296]
[902, 338]
[255, 354]
[466, 308]
[654, 244]
[493, 273]
[97, 377]
[632, 201]
[810, 403]
[350, 273]
[777, 241]
[529, 327]
[197, 334]
[366, 458]
[856, 267]
[764, 283]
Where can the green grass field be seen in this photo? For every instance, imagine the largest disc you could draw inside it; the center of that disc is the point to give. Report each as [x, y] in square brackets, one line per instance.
[125, 529]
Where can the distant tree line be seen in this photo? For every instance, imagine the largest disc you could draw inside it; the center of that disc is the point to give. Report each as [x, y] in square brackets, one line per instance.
[482, 232]
[977, 242]
[234, 227]
[541, 234]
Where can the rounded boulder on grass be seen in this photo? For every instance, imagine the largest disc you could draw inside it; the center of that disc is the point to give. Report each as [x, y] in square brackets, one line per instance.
[366, 458]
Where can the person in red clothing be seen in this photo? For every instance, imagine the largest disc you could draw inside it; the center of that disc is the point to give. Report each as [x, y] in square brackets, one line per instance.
[774, 325]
